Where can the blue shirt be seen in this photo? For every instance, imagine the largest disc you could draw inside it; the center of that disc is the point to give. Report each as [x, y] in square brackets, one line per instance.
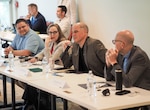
[125, 62]
[31, 41]
[33, 20]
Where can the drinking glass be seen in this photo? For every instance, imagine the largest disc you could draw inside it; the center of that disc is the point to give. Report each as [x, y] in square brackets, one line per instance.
[45, 65]
[51, 64]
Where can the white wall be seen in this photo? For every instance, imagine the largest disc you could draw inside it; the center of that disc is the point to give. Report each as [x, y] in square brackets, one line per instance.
[46, 7]
[105, 17]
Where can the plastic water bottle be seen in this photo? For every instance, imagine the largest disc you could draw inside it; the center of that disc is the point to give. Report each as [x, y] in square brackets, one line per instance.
[11, 61]
[45, 65]
[51, 64]
[91, 84]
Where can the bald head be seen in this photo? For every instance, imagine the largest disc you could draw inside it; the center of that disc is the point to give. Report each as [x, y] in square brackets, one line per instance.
[126, 36]
[80, 33]
[82, 25]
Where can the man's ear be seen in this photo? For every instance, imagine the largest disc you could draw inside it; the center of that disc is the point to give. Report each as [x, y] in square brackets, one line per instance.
[63, 13]
[123, 44]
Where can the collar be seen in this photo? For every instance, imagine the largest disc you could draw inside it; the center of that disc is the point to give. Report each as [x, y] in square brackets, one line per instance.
[127, 55]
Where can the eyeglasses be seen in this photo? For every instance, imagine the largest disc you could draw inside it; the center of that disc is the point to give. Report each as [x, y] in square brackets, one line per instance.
[114, 41]
[55, 32]
[76, 31]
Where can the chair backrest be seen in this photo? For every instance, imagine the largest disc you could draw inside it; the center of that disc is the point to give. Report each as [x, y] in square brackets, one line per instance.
[14, 28]
[70, 35]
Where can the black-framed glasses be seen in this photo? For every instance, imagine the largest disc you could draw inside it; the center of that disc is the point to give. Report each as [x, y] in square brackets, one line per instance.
[114, 41]
[54, 32]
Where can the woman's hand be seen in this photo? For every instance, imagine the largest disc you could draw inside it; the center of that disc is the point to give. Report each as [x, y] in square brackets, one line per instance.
[47, 42]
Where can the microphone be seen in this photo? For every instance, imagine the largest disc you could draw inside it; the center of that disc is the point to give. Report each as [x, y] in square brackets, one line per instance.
[65, 58]
[67, 48]
[65, 52]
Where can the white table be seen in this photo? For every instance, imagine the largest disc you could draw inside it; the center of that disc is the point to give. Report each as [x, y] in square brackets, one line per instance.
[52, 84]
[18, 74]
[77, 94]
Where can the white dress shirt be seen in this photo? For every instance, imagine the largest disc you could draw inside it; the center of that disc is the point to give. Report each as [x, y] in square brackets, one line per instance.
[71, 9]
[65, 26]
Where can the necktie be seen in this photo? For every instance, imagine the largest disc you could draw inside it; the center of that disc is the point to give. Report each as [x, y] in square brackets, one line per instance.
[32, 20]
[125, 61]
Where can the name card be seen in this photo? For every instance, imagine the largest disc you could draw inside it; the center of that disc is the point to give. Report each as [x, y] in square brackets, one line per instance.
[2, 62]
[59, 83]
[20, 71]
[27, 73]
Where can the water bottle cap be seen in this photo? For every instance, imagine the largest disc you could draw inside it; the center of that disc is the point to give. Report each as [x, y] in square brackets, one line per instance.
[90, 71]
[118, 70]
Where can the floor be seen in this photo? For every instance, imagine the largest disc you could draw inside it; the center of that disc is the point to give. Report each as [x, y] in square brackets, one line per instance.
[19, 92]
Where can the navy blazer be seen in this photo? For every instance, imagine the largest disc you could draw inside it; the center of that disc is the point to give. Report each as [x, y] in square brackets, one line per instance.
[39, 24]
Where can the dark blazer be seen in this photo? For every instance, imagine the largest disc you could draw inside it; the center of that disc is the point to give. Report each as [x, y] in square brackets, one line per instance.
[94, 56]
[39, 25]
[138, 69]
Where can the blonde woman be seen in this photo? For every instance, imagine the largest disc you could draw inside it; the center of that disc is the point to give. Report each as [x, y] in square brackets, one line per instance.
[53, 44]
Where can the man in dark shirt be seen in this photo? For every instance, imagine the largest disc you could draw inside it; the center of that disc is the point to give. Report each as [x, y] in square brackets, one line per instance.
[87, 53]
[36, 20]
[82, 65]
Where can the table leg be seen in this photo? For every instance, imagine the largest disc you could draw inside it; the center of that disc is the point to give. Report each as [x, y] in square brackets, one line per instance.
[53, 102]
[65, 104]
[4, 91]
[39, 96]
[13, 93]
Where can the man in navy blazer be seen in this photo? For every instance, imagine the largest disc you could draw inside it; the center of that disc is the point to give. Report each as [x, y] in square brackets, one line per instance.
[137, 71]
[36, 20]
[87, 53]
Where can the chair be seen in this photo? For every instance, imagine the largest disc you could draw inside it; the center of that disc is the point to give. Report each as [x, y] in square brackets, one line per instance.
[70, 35]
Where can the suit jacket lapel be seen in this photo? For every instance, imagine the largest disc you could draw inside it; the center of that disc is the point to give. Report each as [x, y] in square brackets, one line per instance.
[129, 58]
[76, 57]
[120, 58]
[85, 48]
